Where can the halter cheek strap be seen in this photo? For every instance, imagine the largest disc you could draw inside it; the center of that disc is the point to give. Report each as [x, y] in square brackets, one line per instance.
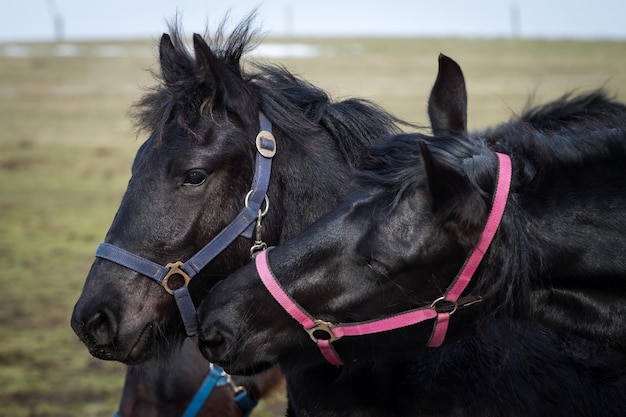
[324, 333]
[471, 264]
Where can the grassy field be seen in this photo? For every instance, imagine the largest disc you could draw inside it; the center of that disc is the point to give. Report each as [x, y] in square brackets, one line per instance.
[66, 145]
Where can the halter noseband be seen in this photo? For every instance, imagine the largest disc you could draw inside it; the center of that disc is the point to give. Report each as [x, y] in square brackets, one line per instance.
[325, 333]
[242, 225]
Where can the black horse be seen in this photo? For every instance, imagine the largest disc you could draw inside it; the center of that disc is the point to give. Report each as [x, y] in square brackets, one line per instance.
[535, 330]
[191, 178]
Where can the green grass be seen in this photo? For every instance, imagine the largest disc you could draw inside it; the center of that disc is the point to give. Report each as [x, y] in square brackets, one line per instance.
[66, 145]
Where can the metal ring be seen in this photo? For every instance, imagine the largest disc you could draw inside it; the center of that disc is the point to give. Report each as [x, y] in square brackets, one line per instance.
[266, 200]
[174, 269]
[443, 298]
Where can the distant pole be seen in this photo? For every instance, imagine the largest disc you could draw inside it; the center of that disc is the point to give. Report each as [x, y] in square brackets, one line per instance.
[516, 21]
[57, 21]
[289, 20]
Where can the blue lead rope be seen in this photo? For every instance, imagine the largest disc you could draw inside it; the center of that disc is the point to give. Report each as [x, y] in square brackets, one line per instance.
[246, 403]
[216, 378]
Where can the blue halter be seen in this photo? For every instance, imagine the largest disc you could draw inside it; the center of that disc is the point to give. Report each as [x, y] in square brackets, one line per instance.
[242, 225]
[216, 378]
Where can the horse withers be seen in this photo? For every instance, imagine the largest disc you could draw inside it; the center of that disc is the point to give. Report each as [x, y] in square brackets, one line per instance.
[534, 209]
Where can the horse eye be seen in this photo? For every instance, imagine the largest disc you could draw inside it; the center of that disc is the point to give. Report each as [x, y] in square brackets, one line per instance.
[377, 267]
[195, 178]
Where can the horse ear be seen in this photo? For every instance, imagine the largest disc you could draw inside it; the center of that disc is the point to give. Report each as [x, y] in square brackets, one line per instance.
[227, 85]
[169, 59]
[447, 105]
[206, 62]
[453, 198]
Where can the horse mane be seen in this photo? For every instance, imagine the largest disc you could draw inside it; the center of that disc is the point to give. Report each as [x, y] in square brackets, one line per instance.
[595, 108]
[570, 131]
[294, 105]
[177, 84]
[301, 110]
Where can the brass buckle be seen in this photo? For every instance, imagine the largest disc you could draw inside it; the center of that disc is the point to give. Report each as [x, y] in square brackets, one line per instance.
[174, 269]
[325, 327]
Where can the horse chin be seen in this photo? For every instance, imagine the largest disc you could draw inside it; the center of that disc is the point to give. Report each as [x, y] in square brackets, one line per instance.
[140, 351]
[142, 348]
[235, 361]
[245, 369]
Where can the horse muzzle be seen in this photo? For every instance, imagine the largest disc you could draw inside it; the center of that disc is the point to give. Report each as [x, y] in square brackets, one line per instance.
[99, 333]
[106, 337]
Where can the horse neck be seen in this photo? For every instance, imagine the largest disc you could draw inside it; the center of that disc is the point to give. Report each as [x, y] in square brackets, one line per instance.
[574, 222]
[581, 219]
[409, 383]
[443, 381]
[362, 390]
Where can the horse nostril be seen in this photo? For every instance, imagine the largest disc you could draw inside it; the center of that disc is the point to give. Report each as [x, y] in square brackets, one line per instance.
[102, 328]
[213, 338]
[210, 343]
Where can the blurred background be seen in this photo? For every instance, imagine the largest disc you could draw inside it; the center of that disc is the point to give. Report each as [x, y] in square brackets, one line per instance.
[70, 70]
[46, 20]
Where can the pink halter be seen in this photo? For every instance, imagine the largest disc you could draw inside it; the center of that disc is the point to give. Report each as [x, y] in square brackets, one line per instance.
[331, 332]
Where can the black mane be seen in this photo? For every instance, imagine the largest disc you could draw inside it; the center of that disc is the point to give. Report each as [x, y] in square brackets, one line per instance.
[570, 132]
[571, 129]
[566, 131]
[294, 105]
[595, 108]
[177, 82]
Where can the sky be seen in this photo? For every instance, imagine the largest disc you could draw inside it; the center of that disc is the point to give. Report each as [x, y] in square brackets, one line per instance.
[33, 20]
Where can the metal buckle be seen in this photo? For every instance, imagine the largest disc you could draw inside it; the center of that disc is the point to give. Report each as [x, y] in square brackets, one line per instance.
[455, 305]
[266, 151]
[174, 269]
[259, 245]
[325, 327]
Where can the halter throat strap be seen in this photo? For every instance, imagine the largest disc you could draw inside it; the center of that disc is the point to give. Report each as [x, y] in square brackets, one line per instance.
[242, 225]
[324, 333]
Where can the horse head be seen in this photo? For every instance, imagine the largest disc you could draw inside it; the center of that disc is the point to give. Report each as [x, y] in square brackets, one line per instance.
[417, 210]
[186, 182]
[417, 214]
